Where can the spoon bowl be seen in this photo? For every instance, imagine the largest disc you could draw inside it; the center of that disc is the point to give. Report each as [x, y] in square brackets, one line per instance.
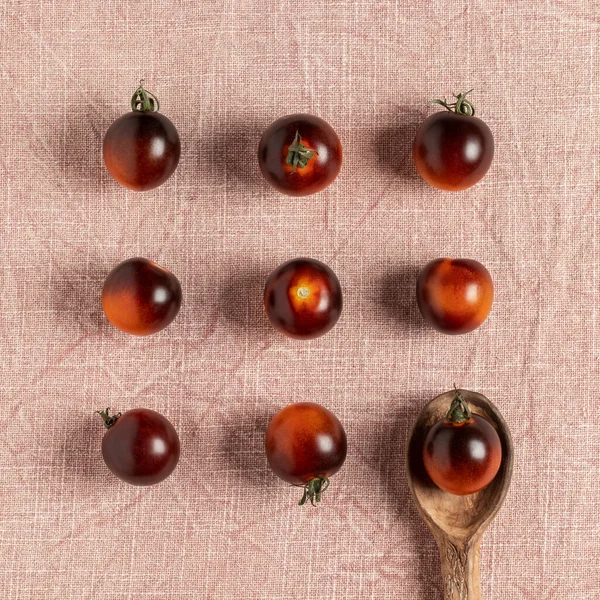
[458, 522]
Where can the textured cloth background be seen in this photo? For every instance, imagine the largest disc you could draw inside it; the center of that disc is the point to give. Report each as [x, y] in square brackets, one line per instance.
[223, 527]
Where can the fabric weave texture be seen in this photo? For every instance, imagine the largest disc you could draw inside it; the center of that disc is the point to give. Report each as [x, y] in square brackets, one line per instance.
[223, 527]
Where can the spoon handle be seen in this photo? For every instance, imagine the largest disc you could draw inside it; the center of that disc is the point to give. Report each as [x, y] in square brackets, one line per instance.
[460, 568]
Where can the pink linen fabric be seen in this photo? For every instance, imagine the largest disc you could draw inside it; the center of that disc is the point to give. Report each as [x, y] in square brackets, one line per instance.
[223, 527]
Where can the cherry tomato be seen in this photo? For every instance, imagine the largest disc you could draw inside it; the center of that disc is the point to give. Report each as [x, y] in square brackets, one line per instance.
[140, 297]
[300, 155]
[305, 445]
[303, 298]
[142, 148]
[140, 447]
[453, 150]
[463, 452]
[455, 295]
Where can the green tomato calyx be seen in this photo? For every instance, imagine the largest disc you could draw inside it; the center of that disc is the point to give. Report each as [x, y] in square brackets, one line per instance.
[298, 154]
[109, 420]
[459, 412]
[143, 100]
[313, 490]
[462, 106]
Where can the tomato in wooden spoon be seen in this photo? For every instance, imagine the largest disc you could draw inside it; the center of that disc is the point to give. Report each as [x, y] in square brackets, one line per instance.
[462, 453]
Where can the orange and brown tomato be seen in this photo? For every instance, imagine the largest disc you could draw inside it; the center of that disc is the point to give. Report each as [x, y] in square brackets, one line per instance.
[300, 154]
[140, 297]
[141, 149]
[462, 453]
[306, 444]
[453, 150]
[303, 298]
[455, 295]
[140, 447]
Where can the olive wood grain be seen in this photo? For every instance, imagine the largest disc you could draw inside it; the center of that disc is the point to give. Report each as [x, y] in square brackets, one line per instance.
[458, 522]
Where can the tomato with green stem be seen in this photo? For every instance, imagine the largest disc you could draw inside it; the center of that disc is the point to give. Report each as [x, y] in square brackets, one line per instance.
[462, 452]
[141, 447]
[305, 445]
[453, 150]
[141, 149]
[300, 154]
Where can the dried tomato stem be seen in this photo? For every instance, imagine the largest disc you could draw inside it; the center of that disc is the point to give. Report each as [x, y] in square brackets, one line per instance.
[313, 490]
[459, 410]
[109, 420]
[462, 106]
[143, 100]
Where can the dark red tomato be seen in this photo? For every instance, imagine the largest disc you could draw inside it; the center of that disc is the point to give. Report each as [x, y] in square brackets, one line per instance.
[455, 295]
[140, 447]
[303, 298]
[305, 445]
[453, 150]
[462, 453]
[142, 148]
[140, 297]
[300, 155]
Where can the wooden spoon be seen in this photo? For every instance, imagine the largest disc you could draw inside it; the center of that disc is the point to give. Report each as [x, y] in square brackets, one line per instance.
[458, 522]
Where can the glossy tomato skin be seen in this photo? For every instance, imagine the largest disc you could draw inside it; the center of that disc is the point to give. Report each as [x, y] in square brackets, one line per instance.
[453, 151]
[141, 448]
[455, 295]
[303, 298]
[140, 297]
[462, 459]
[141, 150]
[305, 441]
[321, 169]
